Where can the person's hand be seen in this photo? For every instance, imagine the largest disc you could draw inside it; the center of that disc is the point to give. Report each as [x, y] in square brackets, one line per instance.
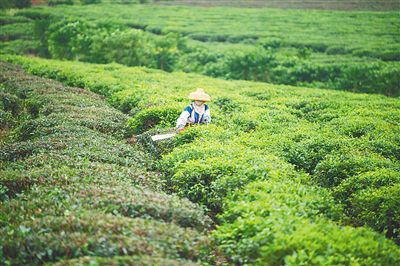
[180, 129]
[206, 120]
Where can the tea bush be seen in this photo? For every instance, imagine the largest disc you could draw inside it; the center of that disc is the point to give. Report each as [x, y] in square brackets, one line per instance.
[83, 234]
[15, 31]
[287, 139]
[15, 4]
[125, 260]
[279, 222]
[150, 117]
[270, 52]
[71, 187]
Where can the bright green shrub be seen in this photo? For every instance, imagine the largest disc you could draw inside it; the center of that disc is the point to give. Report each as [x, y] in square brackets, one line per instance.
[307, 153]
[280, 222]
[370, 199]
[72, 186]
[368, 180]
[336, 167]
[207, 173]
[377, 208]
[66, 40]
[19, 47]
[151, 117]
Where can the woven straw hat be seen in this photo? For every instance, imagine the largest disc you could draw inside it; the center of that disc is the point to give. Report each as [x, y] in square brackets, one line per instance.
[199, 95]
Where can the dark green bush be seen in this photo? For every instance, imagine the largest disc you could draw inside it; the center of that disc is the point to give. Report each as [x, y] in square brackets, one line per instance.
[5, 119]
[377, 208]
[23, 3]
[88, 2]
[60, 2]
[12, 19]
[125, 260]
[15, 3]
[249, 65]
[10, 103]
[3, 194]
[83, 234]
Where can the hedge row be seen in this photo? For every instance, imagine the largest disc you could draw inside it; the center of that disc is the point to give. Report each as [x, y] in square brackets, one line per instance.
[320, 144]
[133, 44]
[279, 222]
[71, 187]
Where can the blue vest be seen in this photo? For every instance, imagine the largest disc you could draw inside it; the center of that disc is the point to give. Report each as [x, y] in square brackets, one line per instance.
[197, 118]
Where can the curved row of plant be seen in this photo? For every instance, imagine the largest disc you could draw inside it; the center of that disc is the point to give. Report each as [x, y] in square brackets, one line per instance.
[72, 191]
[309, 162]
[51, 34]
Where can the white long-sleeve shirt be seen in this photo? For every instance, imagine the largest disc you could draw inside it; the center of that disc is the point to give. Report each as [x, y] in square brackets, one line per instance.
[194, 115]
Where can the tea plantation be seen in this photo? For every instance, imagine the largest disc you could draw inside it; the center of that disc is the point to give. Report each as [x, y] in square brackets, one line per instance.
[71, 188]
[352, 50]
[290, 175]
[300, 165]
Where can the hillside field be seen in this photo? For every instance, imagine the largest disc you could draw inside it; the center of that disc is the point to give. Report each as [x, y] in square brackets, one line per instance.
[336, 154]
[355, 51]
[300, 165]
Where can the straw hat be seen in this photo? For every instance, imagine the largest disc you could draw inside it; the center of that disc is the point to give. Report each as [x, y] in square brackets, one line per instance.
[199, 95]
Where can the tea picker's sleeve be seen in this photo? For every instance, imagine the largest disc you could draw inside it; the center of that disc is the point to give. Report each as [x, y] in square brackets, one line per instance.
[183, 118]
[207, 116]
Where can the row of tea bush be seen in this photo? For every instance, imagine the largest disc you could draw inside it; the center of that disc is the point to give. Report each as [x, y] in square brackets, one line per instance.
[72, 189]
[96, 40]
[309, 162]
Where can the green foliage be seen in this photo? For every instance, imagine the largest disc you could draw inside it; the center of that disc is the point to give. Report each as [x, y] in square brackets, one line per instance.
[67, 33]
[15, 4]
[66, 173]
[83, 234]
[60, 2]
[151, 117]
[337, 167]
[277, 222]
[16, 31]
[250, 65]
[125, 260]
[346, 54]
[289, 141]
[5, 19]
[88, 2]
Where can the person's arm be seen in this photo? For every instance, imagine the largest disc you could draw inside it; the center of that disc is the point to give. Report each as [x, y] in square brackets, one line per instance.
[207, 116]
[183, 119]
